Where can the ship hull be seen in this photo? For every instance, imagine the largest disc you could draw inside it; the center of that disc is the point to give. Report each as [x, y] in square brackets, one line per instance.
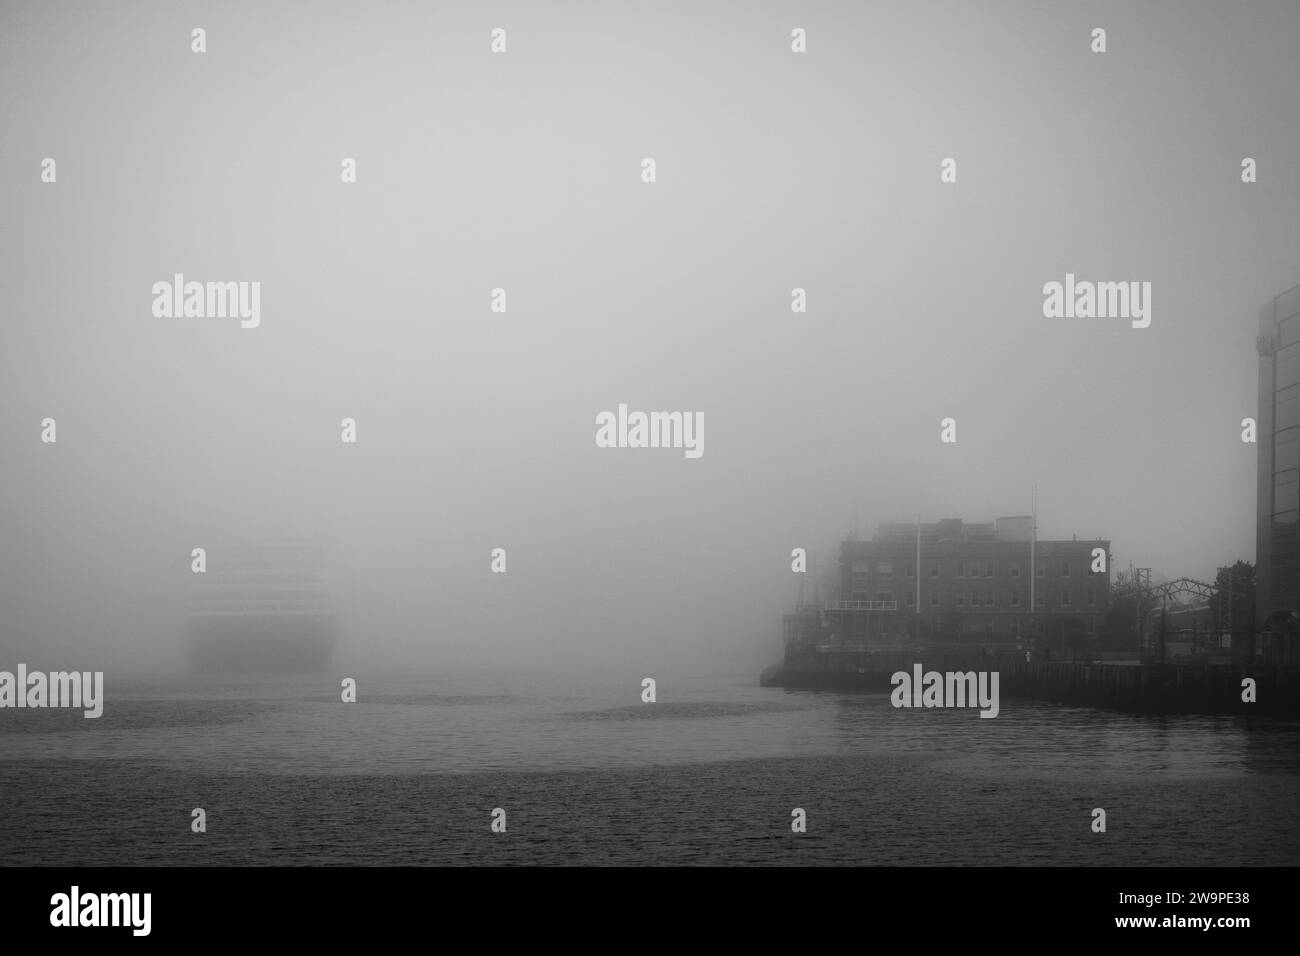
[261, 643]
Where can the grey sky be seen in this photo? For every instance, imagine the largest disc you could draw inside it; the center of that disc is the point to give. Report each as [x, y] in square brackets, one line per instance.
[476, 430]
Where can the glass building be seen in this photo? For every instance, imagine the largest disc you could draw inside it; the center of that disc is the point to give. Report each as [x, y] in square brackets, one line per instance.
[1277, 547]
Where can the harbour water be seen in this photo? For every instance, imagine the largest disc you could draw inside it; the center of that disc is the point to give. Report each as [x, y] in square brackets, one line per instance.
[588, 774]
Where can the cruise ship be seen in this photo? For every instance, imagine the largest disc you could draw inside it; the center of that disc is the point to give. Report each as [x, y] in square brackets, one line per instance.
[262, 608]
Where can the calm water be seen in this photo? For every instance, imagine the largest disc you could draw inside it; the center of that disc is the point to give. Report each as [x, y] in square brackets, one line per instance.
[588, 774]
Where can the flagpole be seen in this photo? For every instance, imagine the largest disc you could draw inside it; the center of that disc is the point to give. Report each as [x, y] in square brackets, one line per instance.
[1033, 542]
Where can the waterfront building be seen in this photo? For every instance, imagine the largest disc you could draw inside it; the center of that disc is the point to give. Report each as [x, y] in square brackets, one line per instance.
[967, 582]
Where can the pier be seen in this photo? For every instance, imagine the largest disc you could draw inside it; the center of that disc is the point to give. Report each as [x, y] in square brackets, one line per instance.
[1199, 687]
[1192, 687]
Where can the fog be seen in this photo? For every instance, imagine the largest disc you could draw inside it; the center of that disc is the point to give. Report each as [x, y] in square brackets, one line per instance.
[475, 429]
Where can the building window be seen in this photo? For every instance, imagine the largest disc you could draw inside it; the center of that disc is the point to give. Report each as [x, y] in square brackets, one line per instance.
[1065, 599]
[884, 596]
[1286, 490]
[885, 569]
[988, 598]
[961, 569]
[961, 598]
[1040, 571]
[934, 599]
[1092, 597]
[911, 569]
[1015, 598]
[1286, 410]
[1286, 449]
[911, 599]
[1040, 599]
[1287, 365]
[1065, 569]
[1288, 331]
[1015, 570]
[936, 569]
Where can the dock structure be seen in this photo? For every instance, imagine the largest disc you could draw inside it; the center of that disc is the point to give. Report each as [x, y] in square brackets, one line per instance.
[848, 666]
[960, 596]
[1185, 688]
[1197, 687]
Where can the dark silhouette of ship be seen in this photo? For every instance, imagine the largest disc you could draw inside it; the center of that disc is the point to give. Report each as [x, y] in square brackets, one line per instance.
[263, 608]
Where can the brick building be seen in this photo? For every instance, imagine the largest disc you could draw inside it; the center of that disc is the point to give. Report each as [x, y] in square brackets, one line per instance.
[956, 581]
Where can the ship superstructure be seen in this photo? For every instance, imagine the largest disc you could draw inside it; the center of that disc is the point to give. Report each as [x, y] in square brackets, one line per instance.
[262, 608]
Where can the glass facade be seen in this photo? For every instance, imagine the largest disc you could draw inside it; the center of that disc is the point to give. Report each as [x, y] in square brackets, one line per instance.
[1286, 465]
[1279, 478]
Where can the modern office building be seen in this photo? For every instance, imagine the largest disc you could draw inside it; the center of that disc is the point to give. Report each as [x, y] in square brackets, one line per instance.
[949, 579]
[1277, 547]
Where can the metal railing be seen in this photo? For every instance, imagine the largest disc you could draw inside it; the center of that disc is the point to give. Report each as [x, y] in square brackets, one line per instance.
[862, 605]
